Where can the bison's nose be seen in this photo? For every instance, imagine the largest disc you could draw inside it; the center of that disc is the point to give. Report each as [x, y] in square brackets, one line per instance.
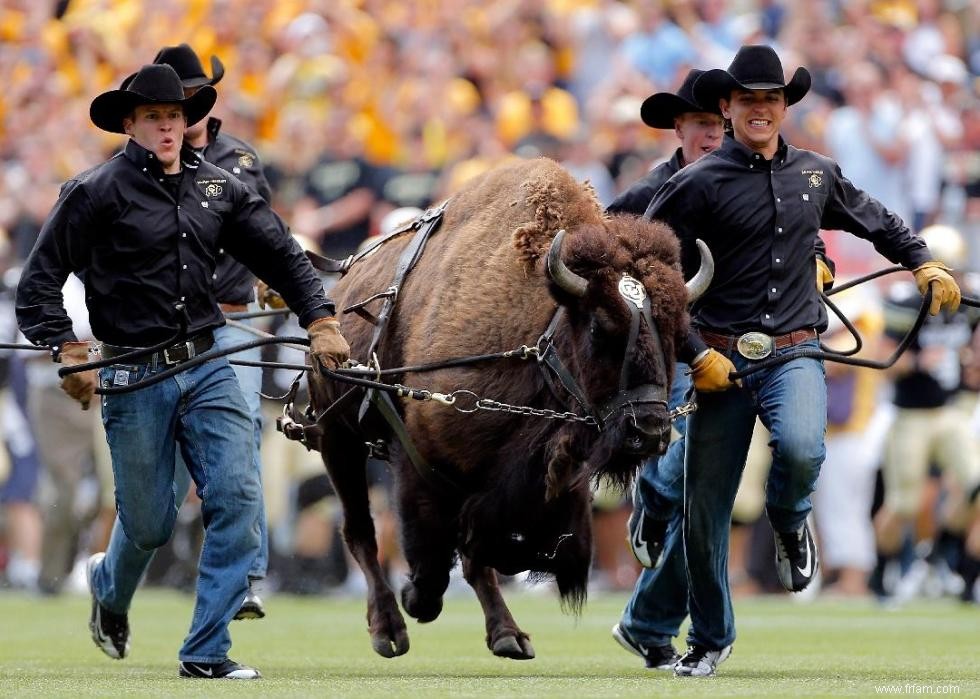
[647, 438]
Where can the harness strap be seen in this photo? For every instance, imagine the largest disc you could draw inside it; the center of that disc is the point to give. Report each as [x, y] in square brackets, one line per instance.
[552, 367]
[386, 407]
[427, 224]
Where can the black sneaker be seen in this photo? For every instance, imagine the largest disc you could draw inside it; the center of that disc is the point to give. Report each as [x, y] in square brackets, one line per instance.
[796, 558]
[110, 631]
[646, 536]
[227, 669]
[699, 661]
[252, 607]
[656, 657]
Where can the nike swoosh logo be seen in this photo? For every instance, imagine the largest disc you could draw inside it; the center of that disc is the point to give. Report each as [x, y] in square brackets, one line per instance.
[807, 570]
[206, 672]
[638, 541]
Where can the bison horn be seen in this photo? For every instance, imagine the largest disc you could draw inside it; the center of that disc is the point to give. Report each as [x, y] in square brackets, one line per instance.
[559, 273]
[699, 283]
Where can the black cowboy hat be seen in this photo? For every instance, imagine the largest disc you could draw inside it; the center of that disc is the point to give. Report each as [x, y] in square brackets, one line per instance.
[659, 111]
[184, 60]
[753, 68]
[153, 84]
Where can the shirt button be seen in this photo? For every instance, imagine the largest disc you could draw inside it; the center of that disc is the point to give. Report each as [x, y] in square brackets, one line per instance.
[144, 169]
[185, 267]
[750, 167]
[214, 276]
[779, 230]
[774, 290]
[778, 200]
[767, 316]
[183, 235]
[183, 298]
[778, 260]
[221, 251]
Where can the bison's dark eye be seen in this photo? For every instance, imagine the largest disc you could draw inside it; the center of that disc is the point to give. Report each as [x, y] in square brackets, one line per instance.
[603, 328]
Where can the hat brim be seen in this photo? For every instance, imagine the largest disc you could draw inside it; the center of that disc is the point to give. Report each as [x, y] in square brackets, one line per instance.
[109, 108]
[717, 83]
[659, 111]
[217, 72]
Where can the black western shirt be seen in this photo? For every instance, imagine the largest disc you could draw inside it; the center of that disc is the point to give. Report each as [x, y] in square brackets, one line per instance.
[142, 252]
[760, 218]
[638, 196]
[234, 282]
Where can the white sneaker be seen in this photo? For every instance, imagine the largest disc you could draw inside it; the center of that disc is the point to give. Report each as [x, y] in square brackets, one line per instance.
[698, 661]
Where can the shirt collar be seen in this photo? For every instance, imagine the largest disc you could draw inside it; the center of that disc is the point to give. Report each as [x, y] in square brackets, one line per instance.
[677, 161]
[145, 159]
[742, 154]
[214, 126]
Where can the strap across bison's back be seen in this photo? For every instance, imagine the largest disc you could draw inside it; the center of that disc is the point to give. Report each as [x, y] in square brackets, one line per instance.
[308, 430]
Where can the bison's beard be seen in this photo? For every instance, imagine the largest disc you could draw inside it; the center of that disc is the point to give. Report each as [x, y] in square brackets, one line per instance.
[612, 457]
[512, 532]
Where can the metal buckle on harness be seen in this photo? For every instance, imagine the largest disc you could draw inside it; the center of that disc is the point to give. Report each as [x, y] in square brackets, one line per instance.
[191, 353]
[754, 345]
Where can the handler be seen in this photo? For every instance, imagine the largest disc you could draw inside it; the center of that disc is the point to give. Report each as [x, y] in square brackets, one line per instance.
[234, 288]
[759, 204]
[144, 231]
[658, 604]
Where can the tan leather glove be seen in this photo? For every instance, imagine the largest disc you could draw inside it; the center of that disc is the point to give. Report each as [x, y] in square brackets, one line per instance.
[80, 386]
[945, 290]
[327, 344]
[710, 372]
[824, 276]
[268, 297]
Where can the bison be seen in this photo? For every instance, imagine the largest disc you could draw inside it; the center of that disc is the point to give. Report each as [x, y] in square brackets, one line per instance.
[504, 491]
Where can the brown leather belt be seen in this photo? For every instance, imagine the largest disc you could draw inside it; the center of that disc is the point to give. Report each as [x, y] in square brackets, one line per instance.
[728, 343]
[233, 307]
[175, 354]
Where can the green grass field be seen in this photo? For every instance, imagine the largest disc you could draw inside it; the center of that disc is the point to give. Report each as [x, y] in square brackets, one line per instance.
[318, 647]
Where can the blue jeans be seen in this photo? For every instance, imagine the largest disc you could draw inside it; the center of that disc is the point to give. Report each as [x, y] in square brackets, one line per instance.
[250, 380]
[658, 606]
[202, 412]
[791, 401]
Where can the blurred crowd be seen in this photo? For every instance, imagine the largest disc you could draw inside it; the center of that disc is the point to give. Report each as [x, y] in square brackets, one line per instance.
[361, 108]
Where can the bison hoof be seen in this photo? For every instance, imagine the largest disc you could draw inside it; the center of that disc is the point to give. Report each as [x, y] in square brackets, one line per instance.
[421, 608]
[388, 647]
[513, 647]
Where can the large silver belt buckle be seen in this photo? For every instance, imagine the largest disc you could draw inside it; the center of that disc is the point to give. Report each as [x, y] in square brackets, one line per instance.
[754, 345]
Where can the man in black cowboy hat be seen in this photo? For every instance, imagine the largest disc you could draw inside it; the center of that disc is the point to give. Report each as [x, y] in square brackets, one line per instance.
[144, 230]
[759, 204]
[658, 605]
[234, 286]
[699, 130]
